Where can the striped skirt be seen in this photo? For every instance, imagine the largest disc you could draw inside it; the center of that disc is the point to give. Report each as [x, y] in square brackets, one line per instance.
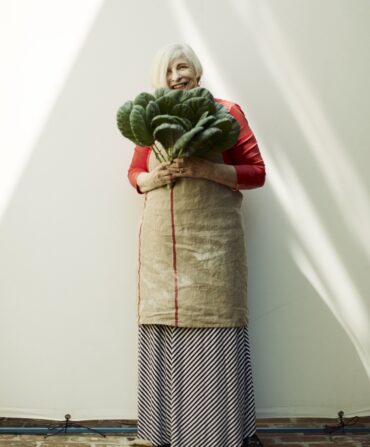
[195, 386]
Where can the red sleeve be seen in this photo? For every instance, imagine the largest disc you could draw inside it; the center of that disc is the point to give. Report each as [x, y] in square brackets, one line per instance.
[245, 155]
[138, 164]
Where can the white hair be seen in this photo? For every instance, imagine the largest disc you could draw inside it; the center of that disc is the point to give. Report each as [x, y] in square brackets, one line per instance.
[166, 55]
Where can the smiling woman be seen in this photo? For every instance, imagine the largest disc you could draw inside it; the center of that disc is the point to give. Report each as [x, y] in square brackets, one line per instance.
[175, 57]
[181, 74]
[195, 374]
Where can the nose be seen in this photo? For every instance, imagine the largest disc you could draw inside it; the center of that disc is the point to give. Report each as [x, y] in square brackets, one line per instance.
[174, 75]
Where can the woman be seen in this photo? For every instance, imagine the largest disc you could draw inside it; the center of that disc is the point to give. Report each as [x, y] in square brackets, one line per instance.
[195, 377]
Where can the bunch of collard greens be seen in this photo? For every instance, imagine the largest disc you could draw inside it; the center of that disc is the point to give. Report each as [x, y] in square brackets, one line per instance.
[185, 122]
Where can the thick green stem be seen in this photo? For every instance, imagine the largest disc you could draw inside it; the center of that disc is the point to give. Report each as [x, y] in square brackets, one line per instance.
[180, 153]
[159, 152]
[156, 154]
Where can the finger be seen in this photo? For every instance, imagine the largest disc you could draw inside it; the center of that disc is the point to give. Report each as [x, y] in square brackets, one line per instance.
[169, 179]
[161, 170]
[166, 178]
[174, 169]
[179, 162]
[174, 164]
[165, 164]
[178, 172]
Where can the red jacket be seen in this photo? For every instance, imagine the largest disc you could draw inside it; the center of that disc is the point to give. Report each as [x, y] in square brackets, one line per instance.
[244, 155]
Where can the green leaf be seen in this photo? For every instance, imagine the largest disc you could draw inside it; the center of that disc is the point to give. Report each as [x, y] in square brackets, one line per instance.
[143, 99]
[220, 108]
[167, 134]
[204, 115]
[177, 95]
[165, 104]
[161, 91]
[171, 119]
[184, 111]
[224, 124]
[152, 110]
[228, 139]
[207, 121]
[198, 92]
[204, 141]
[201, 105]
[180, 147]
[123, 120]
[139, 127]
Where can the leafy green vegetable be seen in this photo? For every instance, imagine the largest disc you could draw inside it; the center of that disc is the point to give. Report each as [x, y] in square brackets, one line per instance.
[143, 99]
[160, 119]
[199, 105]
[203, 141]
[123, 120]
[177, 95]
[151, 111]
[184, 111]
[199, 92]
[185, 122]
[206, 121]
[161, 91]
[228, 137]
[139, 127]
[167, 135]
[165, 103]
[181, 146]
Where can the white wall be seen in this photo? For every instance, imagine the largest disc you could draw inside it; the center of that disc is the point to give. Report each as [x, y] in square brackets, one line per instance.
[298, 68]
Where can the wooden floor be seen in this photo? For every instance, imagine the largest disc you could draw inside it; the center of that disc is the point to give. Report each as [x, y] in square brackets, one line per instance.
[289, 440]
[115, 440]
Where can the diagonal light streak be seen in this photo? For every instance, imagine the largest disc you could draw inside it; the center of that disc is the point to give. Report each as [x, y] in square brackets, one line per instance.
[192, 35]
[345, 184]
[39, 42]
[338, 290]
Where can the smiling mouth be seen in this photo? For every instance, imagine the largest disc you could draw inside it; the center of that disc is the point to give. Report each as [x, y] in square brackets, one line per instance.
[180, 85]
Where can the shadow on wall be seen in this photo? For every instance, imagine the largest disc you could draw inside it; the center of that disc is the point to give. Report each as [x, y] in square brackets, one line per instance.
[317, 246]
[316, 240]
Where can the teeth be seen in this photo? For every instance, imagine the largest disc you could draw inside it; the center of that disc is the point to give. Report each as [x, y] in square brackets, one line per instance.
[180, 85]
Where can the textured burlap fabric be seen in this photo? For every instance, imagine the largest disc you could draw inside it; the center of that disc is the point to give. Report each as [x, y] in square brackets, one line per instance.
[192, 268]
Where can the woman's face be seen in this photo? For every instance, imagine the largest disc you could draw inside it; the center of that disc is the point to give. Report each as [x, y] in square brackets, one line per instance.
[181, 75]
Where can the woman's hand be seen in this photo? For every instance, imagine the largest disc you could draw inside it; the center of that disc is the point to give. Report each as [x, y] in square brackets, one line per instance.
[166, 173]
[191, 167]
[201, 168]
[159, 176]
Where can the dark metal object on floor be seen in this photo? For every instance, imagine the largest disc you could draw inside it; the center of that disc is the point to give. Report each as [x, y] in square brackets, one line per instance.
[341, 424]
[64, 427]
[252, 441]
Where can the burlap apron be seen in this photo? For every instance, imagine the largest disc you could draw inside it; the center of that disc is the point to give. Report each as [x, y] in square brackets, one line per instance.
[192, 268]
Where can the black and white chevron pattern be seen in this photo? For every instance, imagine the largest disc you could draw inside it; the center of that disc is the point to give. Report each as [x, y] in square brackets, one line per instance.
[195, 386]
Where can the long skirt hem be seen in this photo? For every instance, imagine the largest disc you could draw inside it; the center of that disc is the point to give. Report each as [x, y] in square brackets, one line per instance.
[195, 386]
